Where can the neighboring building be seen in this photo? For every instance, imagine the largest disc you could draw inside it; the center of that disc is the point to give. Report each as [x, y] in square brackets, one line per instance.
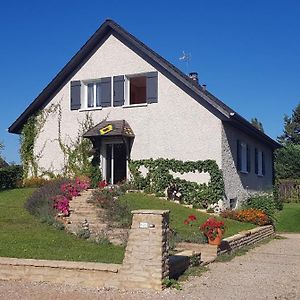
[154, 110]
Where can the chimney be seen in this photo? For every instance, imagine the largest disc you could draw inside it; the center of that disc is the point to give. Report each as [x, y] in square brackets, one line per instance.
[204, 87]
[194, 77]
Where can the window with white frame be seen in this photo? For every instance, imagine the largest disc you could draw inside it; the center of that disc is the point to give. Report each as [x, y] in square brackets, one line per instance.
[136, 90]
[93, 93]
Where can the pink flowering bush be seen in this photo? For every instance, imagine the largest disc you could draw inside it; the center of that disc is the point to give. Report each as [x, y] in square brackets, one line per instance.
[61, 204]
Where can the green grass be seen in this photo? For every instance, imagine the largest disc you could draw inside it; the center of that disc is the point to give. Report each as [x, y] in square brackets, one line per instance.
[288, 220]
[179, 213]
[24, 236]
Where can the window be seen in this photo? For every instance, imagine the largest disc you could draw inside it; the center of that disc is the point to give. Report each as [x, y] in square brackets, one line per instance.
[137, 90]
[93, 94]
[116, 91]
[243, 157]
[98, 93]
[141, 89]
[259, 162]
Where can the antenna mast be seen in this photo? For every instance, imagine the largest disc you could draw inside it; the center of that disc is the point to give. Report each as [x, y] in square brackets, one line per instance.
[186, 57]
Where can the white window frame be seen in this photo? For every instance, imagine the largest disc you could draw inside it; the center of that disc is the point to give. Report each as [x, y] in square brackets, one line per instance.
[127, 90]
[85, 95]
[244, 161]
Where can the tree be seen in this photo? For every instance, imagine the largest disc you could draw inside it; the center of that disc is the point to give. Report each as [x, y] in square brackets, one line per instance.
[256, 123]
[3, 163]
[287, 162]
[291, 132]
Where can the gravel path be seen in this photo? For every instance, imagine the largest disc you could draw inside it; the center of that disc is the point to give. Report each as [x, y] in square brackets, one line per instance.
[270, 271]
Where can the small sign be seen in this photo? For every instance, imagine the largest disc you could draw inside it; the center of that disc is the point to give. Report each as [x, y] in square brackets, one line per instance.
[106, 129]
[144, 225]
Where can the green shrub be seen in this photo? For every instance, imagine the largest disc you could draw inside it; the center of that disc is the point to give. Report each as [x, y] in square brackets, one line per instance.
[11, 176]
[264, 202]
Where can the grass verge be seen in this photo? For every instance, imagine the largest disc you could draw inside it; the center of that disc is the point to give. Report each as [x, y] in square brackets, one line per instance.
[288, 219]
[24, 236]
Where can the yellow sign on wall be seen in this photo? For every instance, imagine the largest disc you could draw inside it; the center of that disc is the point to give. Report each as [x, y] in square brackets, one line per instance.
[106, 129]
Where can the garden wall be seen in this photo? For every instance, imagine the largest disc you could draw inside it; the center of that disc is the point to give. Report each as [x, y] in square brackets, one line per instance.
[245, 238]
[145, 263]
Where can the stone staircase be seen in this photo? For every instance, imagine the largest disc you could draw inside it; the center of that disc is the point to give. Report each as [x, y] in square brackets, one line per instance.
[81, 210]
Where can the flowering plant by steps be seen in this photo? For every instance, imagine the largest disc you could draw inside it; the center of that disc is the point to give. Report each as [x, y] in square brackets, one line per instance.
[211, 227]
[69, 190]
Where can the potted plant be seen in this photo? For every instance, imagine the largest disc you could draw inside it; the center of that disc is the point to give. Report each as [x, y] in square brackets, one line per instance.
[214, 230]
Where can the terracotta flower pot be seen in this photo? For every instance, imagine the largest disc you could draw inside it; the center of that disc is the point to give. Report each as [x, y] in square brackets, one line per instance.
[218, 238]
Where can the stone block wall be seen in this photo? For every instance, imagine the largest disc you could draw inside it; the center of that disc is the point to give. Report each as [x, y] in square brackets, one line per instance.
[245, 238]
[146, 258]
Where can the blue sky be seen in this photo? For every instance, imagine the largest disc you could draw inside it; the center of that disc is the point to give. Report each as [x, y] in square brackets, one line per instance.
[247, 52]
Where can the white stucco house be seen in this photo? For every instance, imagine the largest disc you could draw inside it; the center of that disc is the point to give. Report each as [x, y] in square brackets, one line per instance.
[155, 111]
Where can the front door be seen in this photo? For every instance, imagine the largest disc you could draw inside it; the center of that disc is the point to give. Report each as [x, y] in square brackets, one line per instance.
[116, 163]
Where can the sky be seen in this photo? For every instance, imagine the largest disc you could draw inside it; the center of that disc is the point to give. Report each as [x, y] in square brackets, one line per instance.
[246, 52]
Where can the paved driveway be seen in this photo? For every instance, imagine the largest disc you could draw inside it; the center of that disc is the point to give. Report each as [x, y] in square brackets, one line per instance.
[271, 271]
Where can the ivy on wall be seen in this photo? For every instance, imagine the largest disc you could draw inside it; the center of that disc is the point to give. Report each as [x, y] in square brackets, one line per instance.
[77, 152]
[158, 179]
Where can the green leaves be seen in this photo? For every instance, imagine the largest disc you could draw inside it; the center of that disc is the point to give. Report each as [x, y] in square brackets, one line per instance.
[158, 178]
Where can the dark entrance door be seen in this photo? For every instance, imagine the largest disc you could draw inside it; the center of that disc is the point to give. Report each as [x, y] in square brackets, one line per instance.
[119, 162]
[116, 164]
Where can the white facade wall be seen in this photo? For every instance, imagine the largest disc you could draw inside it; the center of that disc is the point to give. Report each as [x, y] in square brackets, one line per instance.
[175, 127]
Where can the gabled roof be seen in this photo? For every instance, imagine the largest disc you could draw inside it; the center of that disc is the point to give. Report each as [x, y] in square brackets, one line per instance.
[201, 95]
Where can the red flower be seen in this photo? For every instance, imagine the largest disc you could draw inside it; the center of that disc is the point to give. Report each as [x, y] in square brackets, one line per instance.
[192, 218]
[102, 184]
[186, 222]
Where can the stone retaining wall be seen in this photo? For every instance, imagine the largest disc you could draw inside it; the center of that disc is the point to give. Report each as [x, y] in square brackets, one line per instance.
[145, 264]
[245, 238]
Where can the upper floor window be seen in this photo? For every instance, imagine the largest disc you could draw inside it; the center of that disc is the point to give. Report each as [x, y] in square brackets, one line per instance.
[243, 157]
[137, 90]
[115, 91]
[93, 95]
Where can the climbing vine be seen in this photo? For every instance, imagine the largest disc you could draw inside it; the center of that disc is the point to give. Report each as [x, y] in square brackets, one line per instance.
[158, 179]
[29, 134]
[78, 152]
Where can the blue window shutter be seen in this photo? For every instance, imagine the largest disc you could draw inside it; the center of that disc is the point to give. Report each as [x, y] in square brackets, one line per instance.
[238, 155]
[75, 95]
[152, 89]
[105, 92]
[248, 159]
[119, 90]
[256, 161]
[263, 163]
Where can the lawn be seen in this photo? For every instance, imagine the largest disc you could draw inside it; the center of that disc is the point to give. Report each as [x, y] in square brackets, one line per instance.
[179, 213]
[24, 236]
[288, 220]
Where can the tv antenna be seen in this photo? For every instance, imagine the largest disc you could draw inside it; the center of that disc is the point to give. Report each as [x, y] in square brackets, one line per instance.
[186, 57]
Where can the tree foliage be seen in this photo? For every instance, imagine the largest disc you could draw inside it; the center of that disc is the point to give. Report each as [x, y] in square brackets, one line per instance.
[256, 123]
[287, 162]
[291, 131]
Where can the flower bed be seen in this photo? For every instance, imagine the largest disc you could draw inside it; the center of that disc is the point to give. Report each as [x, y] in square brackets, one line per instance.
[251, 215]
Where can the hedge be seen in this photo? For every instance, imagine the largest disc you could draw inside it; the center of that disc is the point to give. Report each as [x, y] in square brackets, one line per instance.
[10, 176]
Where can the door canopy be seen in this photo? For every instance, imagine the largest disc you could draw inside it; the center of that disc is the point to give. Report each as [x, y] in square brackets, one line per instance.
[110, 129]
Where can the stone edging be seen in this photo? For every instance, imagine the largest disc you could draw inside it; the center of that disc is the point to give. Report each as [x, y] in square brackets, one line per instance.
[245, 238]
